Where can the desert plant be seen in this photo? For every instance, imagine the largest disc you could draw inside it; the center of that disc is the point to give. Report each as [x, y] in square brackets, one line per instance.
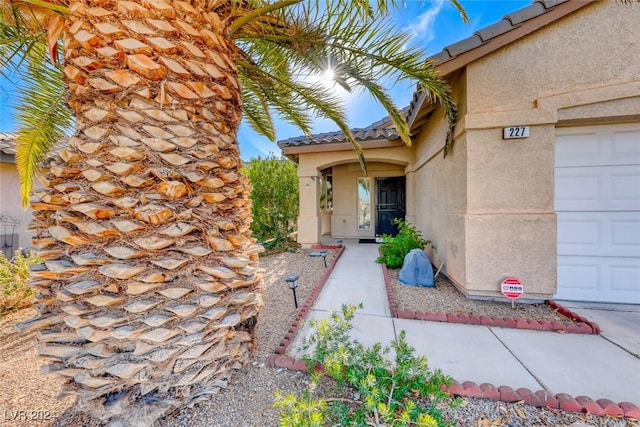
[274, 198]
[15, 292]
[395, 248]
[404, 392]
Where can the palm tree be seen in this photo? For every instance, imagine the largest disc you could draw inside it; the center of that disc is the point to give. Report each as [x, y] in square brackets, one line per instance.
[150, 291]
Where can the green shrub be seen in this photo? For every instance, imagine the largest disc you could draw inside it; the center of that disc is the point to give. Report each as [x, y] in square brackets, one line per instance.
[274, 200]
[394, 249]
[403, 393]
[15, 292]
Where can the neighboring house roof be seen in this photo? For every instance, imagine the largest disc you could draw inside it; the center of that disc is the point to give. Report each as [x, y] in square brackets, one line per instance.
[7, 147]
[454, 57]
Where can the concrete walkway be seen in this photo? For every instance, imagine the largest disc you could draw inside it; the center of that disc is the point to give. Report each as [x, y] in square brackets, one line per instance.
[603, 366]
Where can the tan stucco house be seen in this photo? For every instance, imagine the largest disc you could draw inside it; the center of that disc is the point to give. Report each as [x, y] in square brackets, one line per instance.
[14, 220]
[558, 207]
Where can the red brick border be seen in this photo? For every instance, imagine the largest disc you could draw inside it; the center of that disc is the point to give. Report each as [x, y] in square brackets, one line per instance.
[576, 325]
[540, 398]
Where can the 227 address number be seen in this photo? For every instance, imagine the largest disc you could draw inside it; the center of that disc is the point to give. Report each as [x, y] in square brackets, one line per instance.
[515, 132]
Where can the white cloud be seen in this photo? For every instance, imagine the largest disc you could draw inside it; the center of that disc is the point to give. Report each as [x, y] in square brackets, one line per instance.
[262, 148]
[423, 28]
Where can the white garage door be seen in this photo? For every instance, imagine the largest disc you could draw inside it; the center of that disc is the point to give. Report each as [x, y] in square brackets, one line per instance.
[597, 200]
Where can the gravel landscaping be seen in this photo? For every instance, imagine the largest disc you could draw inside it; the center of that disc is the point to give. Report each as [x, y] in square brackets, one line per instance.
[446, 298]
[247, 401]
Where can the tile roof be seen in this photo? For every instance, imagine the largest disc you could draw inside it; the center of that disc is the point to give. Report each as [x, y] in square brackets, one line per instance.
[361, 135]
[379, 130]
[489, 39]
[8, 143]
[480, 38]
[506, 24]
[8, 147]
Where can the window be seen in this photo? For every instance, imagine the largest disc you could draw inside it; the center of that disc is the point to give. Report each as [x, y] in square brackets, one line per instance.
[364, 203]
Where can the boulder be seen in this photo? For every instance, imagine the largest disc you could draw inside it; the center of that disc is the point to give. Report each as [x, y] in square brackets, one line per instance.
[416, 269]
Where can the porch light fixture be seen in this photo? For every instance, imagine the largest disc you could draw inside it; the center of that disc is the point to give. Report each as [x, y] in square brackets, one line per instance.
[292, 281]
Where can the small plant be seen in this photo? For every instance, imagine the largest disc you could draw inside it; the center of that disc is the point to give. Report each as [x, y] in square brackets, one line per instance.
[403, 393]
[395, 248]
[15, 292]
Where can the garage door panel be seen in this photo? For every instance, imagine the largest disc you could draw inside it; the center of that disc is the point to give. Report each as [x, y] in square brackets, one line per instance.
[598, 146]
[577, 233]
[577, 274]
[604, 188]
[626, 233]
[577, 190]
[625, 277]
[597, 202]
[625, 147]
[625, 186]
[610, 234]
[598, 279]
[577, 149]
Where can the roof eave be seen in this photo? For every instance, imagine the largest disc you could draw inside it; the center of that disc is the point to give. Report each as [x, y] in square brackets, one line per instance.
[448, 67]
[341, 146]
[524, 29]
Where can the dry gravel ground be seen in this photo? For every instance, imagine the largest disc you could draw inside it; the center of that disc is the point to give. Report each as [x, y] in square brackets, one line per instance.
[446, 298]
[247, 401]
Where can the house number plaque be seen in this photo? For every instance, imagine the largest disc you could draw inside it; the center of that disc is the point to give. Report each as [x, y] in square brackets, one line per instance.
[515, 132]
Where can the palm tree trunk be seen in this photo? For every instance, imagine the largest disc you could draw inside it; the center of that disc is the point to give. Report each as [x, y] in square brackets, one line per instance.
[151, 288]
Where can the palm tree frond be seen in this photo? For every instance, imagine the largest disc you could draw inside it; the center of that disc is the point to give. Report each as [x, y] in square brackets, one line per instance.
[259, 12]
[17, 42]
[366, 53]
[42, 122]
[255, 108]
[461, 11]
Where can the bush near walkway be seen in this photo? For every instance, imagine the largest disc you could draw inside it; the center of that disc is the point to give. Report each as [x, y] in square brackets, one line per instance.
[15, 292]
[274, 199]
[395, 248]
[402, 393]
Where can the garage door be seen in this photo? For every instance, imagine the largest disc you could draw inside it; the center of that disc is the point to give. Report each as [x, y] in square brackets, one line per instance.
[597, 200]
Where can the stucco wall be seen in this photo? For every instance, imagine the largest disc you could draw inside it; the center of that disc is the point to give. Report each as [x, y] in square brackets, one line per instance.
[510, 225]
[10, 203]
[595, 46]
[439, 192]
[576, 70]
[440, 199]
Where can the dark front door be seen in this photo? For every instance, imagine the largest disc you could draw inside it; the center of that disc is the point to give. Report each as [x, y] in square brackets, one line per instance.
[389, 204]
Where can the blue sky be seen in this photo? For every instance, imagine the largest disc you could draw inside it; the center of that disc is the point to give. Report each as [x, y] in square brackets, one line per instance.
[433, 23]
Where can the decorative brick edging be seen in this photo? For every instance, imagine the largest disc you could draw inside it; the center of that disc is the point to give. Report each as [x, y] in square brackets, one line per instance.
[304, 309]
[540, 398]
[573, 316]
[579, 325]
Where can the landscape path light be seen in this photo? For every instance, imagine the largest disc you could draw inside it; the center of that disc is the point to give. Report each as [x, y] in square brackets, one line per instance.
[292, 281]
[322, 253]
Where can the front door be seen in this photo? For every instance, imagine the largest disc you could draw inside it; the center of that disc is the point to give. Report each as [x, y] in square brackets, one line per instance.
[389, 204]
